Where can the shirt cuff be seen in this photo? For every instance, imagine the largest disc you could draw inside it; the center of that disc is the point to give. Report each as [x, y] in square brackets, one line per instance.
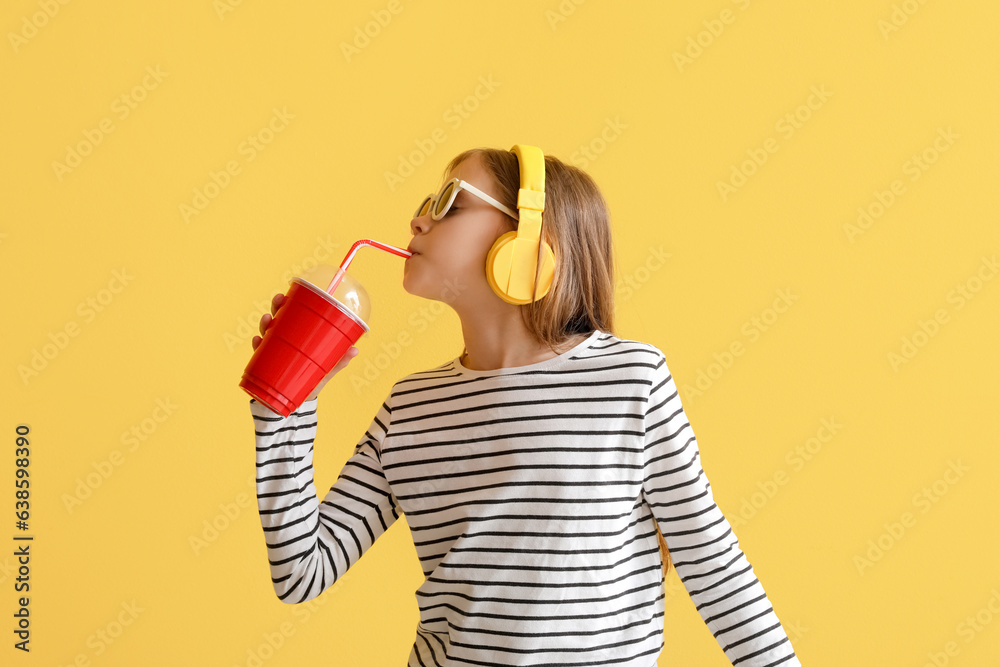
[258, 409]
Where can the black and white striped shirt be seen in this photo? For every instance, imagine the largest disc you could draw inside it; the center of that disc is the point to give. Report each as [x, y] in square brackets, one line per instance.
[531, 494]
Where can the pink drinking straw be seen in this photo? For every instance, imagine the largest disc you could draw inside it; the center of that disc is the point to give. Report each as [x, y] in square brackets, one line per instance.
[350, 256]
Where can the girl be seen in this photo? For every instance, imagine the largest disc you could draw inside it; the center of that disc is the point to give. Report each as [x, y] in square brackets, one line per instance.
[547, 474]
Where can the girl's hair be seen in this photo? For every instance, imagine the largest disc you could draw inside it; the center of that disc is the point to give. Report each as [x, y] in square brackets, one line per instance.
[576, 224]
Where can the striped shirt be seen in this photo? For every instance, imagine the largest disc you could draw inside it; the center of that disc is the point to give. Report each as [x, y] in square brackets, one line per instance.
[531, 494]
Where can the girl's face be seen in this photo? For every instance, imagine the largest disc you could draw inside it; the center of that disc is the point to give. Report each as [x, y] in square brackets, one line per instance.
[451, 264]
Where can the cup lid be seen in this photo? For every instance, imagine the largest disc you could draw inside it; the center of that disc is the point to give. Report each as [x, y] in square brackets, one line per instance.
[348, 292]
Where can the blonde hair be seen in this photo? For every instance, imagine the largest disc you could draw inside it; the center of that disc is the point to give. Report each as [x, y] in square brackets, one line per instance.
[576, 223]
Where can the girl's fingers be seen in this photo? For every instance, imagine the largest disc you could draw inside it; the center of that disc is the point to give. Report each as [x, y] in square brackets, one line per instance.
[265, 319]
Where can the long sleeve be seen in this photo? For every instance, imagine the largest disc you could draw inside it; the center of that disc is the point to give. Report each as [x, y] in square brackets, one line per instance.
[703, 547]
[311, 544]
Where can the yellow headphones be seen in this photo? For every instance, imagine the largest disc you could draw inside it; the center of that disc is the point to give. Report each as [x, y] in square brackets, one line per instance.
[514, 260]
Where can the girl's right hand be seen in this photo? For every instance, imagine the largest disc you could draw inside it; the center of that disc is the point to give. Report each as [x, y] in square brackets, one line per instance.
[265, 322]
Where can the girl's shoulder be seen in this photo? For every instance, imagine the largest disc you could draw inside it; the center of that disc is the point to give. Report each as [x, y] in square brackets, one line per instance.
[633, 359]
[629, 345]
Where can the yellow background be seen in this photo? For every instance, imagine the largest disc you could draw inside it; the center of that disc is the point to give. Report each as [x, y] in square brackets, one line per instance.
[599, 85]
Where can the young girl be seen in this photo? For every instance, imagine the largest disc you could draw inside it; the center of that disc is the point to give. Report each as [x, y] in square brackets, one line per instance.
[547, 474]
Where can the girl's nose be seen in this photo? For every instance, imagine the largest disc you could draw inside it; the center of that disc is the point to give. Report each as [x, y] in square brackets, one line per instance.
[420, 223]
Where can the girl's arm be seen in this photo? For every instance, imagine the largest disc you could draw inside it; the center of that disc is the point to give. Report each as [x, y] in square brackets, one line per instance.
[311, 544]
[703, 547]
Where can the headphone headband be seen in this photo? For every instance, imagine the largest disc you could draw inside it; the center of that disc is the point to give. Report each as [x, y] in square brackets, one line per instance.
[531, 196]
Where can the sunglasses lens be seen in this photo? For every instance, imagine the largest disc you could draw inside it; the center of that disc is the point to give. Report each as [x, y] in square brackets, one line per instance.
[424, 207]
[444, 199]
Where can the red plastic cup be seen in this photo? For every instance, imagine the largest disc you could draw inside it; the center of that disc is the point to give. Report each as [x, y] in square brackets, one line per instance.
[310, 333]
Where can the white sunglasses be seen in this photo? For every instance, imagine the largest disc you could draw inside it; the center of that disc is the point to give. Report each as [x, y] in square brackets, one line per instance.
[440, 203]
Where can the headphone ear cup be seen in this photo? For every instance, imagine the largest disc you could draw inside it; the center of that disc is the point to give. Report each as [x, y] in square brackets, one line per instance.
[498, 272]
[546, 271]
[508, 277]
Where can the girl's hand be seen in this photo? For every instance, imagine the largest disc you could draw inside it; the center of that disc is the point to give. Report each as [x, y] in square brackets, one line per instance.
[265, 319]
[265, 322]
[350, 354]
